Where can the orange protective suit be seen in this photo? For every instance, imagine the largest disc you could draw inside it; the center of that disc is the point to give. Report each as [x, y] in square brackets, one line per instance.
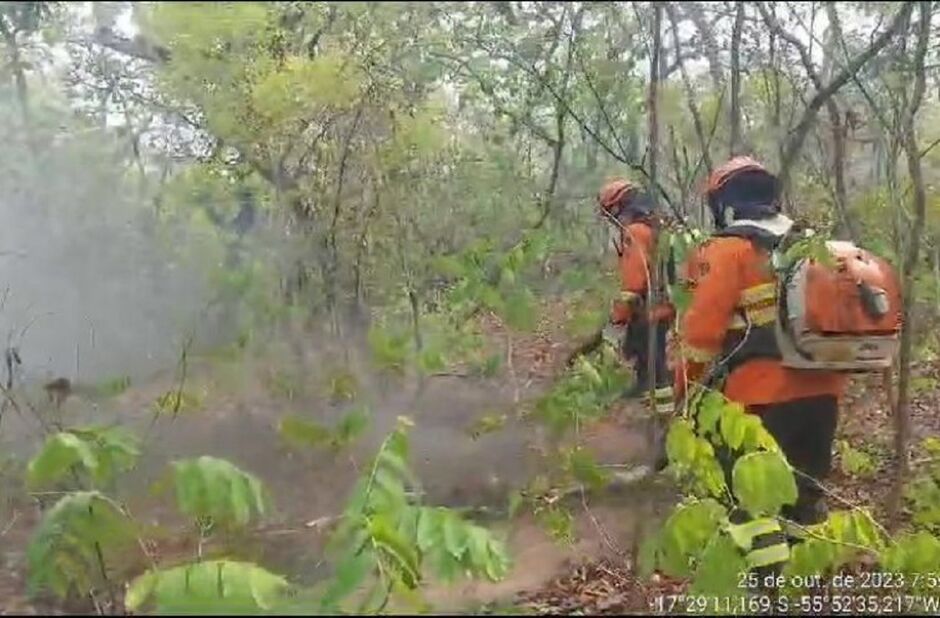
[732, 315]
[636, 245]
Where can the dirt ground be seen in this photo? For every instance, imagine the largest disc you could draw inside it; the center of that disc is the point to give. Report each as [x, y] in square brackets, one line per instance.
[611, 587]
[593, 575]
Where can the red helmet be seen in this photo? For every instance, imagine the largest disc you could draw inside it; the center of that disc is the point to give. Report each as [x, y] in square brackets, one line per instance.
[731, 168]
[612, 194]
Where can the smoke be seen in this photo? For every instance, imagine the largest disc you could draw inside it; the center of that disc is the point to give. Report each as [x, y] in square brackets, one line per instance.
[89, 287]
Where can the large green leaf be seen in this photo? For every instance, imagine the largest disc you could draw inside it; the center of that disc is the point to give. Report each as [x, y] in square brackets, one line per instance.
[214, 587]
[686, 534]
[101, 452]
[584, 468]
[917, 552]
[63, 554]
[212, 488]
[733, 428]
[455, 546]
[719, 570]
[396, 552]
[351, 572]
[681, 443]
[763, 483]
[709, 409]
[812, 557]
[855, 527]
[352, 425]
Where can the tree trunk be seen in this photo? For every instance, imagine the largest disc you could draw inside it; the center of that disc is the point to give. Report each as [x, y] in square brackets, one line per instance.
[735, 113]
[331, 274]
[911, 150]
[693, 11]
[846, 225]
[839, 130]
[558, 149]
[19, 77]
[652, 290]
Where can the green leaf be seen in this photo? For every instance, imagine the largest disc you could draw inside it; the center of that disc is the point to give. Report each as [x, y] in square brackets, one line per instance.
[398, 554]
[63, 552]
[429, 529]
[686, 534]
[491, 298]
[778, 553]
[584, 469]
[557, 522]
[114, 386]
[733, 426]
[431, 359]
[352, 425]
[855, 527]
[212, 587]
[709, 411]
[212, 488]
[491, 365]
[448, 265]
[649, 549]
[455, 534]
[101, 451]
[60, 453]
[719, 570]
[681, 443]
[351, 573]
[855, 462]
[917, 552]
[590, 371]
[812, 557]
[763, 483]
[389, 350]
[744, 534]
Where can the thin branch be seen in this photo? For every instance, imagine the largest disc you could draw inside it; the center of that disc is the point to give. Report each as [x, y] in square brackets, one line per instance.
[925, 151]
[621, 157]
[689, 90]
[735, 111]
[798, 135]
[915, 171]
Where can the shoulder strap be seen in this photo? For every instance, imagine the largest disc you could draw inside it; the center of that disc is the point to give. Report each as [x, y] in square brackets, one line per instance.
[759, 236]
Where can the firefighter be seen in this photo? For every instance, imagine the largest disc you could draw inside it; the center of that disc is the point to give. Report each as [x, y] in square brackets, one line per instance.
[727, 334]
[629, 210]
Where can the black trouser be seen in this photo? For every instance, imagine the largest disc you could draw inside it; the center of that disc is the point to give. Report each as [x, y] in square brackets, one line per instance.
[636, 346]
[804, 429]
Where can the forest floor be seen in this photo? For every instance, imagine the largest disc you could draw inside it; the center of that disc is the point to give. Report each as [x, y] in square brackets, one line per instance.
[611, 586]
[592, 575]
